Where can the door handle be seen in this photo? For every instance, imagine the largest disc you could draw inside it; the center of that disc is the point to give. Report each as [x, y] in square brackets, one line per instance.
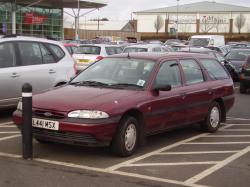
[52, 71]
[14, 75]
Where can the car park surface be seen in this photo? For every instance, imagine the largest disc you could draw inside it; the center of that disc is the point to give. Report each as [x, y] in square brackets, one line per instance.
[112, 117]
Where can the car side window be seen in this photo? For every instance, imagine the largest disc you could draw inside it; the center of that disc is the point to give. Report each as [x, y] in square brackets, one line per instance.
[214, 69]
[156, 49]
[219, 57]
[169, 73]
[7, 55]
[30, 53]
[192, 71]
[47, 56]
[57, 51]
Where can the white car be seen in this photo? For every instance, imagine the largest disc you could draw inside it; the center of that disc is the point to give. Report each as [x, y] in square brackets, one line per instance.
[89, 53]
[42, 63]
[147, 48]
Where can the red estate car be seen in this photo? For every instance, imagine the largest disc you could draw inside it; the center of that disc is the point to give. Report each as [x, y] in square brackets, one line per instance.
[120, 100]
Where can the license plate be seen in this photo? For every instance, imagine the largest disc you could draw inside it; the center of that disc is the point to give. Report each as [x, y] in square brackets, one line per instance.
[84, 60]
[45, 124]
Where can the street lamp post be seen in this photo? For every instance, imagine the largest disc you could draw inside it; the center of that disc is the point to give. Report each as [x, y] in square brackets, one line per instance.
[177, 20]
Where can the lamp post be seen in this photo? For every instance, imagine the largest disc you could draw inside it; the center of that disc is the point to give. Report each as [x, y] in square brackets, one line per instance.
[177, 19]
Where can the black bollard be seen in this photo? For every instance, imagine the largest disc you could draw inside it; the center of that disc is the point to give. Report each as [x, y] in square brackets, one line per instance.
[27, 121]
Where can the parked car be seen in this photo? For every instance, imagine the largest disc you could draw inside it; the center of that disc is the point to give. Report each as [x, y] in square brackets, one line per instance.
[171, 42]
[245, 76]
[207, 41]
[214, 54]
[71, 47]
[238, 57]
[87, 54]
[147, 48]
[118, 101]
[223, 50]
[41, 62]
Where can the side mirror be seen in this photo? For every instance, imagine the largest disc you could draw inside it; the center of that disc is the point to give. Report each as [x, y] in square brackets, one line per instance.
[166, 87]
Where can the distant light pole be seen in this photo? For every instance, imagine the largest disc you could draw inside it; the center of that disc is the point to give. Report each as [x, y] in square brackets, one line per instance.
[177, 21]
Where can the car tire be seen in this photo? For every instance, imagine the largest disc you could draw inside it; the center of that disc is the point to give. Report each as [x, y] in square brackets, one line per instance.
[125, 140]
[213, 118]
[243, 88]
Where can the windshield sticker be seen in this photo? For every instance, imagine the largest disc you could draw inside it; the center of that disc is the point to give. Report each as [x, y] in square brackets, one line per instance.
[141, 82]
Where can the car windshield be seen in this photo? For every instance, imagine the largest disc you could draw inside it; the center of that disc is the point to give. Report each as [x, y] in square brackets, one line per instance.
[238, 55]
[93, 50]
[134, 49]
[116, 73]
[201, 42]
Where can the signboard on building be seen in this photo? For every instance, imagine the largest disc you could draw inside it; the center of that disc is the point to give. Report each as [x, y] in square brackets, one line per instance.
[32, 18]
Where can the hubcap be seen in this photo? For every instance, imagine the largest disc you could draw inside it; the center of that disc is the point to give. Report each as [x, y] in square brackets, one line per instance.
[214, 117]
[130, 137]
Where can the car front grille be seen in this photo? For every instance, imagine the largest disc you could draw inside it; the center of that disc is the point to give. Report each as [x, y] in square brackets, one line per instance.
[64, 136]
[48, 114]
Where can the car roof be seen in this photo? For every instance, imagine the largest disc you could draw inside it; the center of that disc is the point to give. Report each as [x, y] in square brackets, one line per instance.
[28, 38]
[145, 46]
[98, 45]
[158, 56]
[194, 49]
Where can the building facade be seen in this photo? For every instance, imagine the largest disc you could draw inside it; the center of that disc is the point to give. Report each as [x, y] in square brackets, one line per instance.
[202, 17]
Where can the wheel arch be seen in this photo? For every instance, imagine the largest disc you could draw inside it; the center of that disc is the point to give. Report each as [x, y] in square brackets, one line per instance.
[222, 108]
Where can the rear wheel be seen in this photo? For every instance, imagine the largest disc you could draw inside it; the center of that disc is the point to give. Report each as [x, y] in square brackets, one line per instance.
[243, 88]
[213, 119]
[125, 141]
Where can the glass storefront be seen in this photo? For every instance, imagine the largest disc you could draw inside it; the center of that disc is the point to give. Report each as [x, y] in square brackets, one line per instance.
[32, 21]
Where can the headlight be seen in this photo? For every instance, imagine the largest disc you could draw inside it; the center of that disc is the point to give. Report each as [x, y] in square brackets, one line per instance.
[88, 114]
[20, 106]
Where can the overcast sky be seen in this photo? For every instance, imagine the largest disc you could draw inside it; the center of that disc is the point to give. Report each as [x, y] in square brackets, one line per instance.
[122, 9]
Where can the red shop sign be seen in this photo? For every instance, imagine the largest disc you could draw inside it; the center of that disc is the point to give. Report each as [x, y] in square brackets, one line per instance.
[31, 18]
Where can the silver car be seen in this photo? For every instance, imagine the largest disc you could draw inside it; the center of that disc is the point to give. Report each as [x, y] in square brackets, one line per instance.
[42, 63]
[147, 48]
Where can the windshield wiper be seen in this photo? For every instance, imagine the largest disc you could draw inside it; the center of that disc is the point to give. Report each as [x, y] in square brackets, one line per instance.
[126, 85]
[88, 83]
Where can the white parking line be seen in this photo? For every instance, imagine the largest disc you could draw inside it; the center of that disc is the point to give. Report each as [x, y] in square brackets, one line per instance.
[235, 130]
[218, 166]
[226, 136]
[10, 132]
[6, 123]
[196, 152]
[240, 119]
[7, 126]
[214, 143]
[10, 155]
[10, 137]
[172, 164]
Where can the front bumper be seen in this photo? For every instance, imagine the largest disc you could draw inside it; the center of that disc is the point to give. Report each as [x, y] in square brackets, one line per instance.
[75, 131]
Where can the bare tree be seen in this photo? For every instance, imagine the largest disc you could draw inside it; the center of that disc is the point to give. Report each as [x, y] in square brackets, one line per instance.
[158, 24]
[240, 22]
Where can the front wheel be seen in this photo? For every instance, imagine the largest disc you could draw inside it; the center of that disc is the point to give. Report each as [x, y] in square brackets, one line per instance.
[125, 140]
[213, 119]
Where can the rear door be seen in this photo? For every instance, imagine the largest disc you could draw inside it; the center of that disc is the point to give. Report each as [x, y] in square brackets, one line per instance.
[10, 88]
[198, 91]
[32, 69]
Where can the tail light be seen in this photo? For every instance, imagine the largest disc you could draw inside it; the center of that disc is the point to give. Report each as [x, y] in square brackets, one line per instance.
[99, 58]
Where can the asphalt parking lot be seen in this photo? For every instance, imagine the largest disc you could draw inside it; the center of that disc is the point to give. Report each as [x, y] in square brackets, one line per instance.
[184, 157]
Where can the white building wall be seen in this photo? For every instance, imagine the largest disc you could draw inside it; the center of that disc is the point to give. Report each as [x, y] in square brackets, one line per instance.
[145, 23]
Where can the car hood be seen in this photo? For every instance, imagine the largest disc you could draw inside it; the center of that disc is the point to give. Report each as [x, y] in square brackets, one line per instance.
[70, 97]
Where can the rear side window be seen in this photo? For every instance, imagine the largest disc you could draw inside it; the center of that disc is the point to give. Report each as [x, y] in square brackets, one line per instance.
[7, 55]
[57, 51]
[113, 50]
[47, 56]
[92, 50]
[214, 69]
[30, 53]
[192, 71]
